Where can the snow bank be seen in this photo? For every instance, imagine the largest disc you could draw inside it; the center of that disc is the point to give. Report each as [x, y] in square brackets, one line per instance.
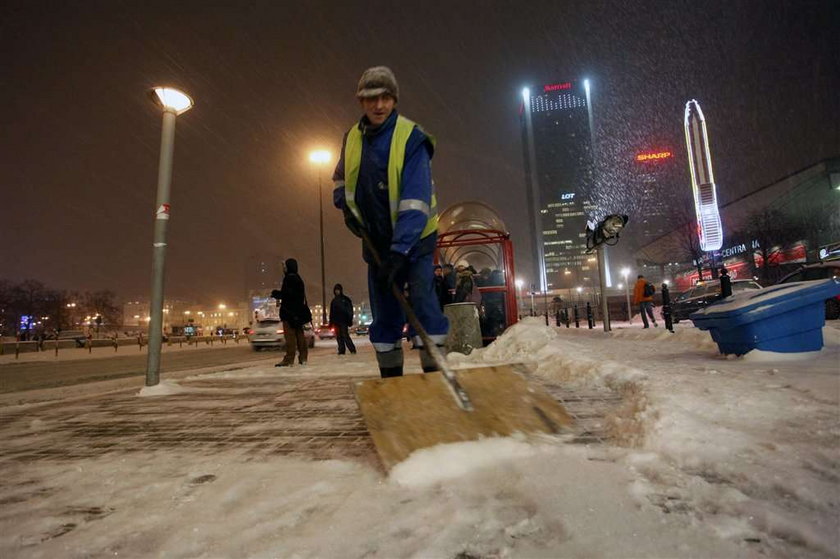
[164, 388]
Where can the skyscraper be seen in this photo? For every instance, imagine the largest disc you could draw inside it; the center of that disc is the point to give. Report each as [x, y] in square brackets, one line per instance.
[656, 179]
[559, 173]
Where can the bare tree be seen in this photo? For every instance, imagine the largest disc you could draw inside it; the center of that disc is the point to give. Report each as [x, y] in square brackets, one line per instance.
[773, 230]
[685, 241]
[103, 304]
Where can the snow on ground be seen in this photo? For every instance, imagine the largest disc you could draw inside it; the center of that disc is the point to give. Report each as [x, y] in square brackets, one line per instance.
[715, 457]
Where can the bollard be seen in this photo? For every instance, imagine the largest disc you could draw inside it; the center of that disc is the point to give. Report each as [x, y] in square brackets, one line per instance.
[464, 327]
[89, 345]
[56, 346]
[140, 343]
[116, 345]
[577, 317]
[566, 318]
[590, 320]
[666, 308]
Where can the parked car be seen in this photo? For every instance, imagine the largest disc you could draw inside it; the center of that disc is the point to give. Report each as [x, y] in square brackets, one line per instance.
[268, 334]
[326, 332]
[362, 330]
[702, 295]
[820, 271]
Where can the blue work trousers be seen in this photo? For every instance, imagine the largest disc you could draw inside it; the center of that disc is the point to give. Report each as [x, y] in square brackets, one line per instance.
[386, 331]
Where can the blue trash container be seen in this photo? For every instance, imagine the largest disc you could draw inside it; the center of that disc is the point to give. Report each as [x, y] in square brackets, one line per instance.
[785, 318]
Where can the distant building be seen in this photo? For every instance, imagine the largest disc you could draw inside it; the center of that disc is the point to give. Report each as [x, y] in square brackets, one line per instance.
[559, 173]
[804, 212]
[658, 179]
[177, 314]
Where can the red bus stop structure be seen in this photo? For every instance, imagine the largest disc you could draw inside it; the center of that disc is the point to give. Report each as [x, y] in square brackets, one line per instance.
[472, 232]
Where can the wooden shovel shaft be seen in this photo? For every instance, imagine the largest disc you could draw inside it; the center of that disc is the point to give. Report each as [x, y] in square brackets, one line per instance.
[458, 392]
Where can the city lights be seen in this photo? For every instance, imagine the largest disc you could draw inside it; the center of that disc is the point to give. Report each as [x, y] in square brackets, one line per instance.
[320, 156]
[172, 100]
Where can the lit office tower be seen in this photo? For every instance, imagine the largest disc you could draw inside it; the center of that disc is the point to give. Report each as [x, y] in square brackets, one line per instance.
[559, 173]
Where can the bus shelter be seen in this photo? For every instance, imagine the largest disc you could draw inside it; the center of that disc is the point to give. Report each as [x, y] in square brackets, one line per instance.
[471, 234]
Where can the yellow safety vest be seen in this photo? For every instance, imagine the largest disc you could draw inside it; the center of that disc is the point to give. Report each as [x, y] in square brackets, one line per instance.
[396, 160]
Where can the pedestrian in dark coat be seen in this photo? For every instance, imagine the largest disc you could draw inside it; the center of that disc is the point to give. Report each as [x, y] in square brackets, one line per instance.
[341, 318]
[294, 312]
[440, 287]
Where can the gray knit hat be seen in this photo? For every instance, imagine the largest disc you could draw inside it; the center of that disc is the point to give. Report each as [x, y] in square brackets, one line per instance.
[376, 81]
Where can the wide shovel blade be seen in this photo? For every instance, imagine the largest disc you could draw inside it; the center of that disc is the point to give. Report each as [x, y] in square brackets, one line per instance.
[407, 413]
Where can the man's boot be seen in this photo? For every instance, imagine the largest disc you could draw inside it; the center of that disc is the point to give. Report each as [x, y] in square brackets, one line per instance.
[390, 363]
[427, 361]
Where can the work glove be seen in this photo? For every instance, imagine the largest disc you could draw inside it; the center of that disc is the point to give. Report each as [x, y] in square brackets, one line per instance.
[389, 269]
[352, 223]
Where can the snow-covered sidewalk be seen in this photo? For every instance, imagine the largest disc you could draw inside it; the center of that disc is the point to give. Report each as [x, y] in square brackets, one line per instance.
[708, 457]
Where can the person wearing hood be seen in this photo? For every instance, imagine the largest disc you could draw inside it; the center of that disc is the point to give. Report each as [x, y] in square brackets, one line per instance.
[294, 312]
[341, 318]
[383, 184]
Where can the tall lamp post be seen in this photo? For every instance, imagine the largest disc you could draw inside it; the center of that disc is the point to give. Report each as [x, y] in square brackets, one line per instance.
[320, 158]
[626, 273]
[173, 103]
[519, 283]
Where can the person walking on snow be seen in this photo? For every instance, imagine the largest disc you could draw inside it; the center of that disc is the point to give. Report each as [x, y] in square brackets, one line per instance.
[294, 312]
[643, 296]
[383, 185]
[341, 317]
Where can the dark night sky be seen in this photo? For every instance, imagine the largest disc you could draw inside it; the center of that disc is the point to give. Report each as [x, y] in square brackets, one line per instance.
[79, 139]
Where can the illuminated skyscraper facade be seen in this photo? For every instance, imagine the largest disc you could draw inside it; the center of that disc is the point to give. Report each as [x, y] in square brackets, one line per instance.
[559, 171]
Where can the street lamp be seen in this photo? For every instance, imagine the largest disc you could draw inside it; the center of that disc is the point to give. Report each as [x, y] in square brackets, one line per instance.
[173, 103]
[519, 283]
[320, 158]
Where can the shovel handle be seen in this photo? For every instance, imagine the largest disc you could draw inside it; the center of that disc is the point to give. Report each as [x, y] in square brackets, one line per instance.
[458, 392]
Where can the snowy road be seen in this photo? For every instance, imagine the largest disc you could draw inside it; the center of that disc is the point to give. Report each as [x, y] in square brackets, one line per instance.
[43, 370]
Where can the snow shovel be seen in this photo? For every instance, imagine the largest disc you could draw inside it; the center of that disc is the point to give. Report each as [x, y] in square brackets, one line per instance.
[407, 413]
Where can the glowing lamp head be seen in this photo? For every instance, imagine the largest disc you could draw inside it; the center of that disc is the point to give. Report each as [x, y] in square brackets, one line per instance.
[172, 100]
[320, 156]
[526, 93]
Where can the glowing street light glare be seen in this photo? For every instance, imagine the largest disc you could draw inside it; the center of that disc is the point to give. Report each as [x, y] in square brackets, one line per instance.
[172, 99]
[625, 272]
[519, 283]
[222, 306]
[526, 94]
[320, 156]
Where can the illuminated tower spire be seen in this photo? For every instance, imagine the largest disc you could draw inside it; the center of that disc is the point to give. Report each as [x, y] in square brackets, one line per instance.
[702, 178]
